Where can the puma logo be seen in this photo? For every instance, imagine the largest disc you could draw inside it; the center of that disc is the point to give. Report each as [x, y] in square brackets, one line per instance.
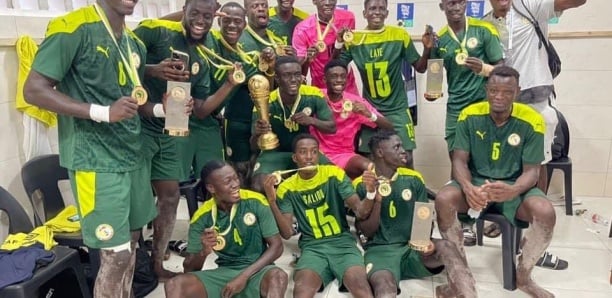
[103, 51]
[277, 117]
[481, 134]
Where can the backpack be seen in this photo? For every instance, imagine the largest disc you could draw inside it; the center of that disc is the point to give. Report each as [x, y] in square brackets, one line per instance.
[145, 280]
[561, 140]
[554, 61]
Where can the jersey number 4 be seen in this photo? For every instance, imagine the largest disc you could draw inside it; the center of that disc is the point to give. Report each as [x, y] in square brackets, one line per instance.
[322, 225]
[379, 86]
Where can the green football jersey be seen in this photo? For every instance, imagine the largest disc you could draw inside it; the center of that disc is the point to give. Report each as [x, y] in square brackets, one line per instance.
[245, 240]
[498, 153]
[283, 29]
[80, 54]
[317, 204]
[464, 86]
[162, 37]
[379, 56]
[396, 209]
[310, 97]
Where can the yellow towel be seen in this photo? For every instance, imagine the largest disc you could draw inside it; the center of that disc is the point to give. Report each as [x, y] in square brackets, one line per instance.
[41, 234]
[26, 50]
[66, 221]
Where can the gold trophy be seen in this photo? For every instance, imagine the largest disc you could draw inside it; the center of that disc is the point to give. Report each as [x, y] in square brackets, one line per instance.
[259, 87]
[435, 78]
[177, 121]
[422, 220]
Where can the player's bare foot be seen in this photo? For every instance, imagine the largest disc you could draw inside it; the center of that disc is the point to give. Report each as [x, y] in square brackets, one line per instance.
[533, 290]
[444, 291]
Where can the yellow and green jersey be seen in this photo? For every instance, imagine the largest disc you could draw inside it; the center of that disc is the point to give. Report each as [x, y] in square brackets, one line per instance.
[498, 153]
[317, 204]
[379, 57]
[80, 54]
[464, 86]
[397, 209]
[310, 97]
[283, 29]
[245, 240]
[161, 37]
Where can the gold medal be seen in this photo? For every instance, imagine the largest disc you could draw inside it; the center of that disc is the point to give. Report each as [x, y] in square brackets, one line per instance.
[280, 50]
[321, 47]
[239, 76]
[277, 175]
[307, 111]
[347, 106]
[348, 36]
[384, 188]
[461, 58]
[344, 115]
[289, 124]
[140, 94]
[220, 243]
[263, 66]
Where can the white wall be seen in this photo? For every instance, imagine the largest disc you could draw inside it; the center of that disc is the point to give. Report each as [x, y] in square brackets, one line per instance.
[582, 89]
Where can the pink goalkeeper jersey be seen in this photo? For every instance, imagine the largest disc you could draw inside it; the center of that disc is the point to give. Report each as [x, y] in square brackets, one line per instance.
[346, 129]
[305, 36]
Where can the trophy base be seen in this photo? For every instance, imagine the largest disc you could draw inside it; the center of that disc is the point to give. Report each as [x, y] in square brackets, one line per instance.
[175, 132]
[432, 96]
[419, 245]
[268, 141]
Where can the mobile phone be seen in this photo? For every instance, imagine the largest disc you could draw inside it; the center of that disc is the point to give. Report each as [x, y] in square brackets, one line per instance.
[429, 30]
[181, 56]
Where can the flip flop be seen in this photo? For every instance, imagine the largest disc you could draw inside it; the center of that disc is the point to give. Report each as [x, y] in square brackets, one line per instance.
[492, 230]
[550, 261]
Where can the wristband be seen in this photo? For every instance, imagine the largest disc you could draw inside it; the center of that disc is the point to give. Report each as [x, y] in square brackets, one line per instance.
[373, 117]
[158, 110]
[486, 70]
[338, 45]
[99, 113]
[370, 195]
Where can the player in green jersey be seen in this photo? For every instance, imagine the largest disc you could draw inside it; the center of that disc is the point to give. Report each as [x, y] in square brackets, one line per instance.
[162, 152]
[317, 198]
[239, 227]
[496, 159]
[283, 19]
[388, 257]
[378, 53]
[293, 109]
[86, 70]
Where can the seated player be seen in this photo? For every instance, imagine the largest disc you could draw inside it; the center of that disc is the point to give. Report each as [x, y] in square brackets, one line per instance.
[350, 111]
[388, 229]
[496, 158]
[238, 226]
[293, 109]
[317, 198]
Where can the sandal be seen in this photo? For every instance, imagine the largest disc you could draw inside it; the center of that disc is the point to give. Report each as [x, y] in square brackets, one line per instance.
[492, 230]
[469, 237]
[550, 261]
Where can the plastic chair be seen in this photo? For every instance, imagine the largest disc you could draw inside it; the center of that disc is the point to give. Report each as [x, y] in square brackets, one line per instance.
[511, 237]
[563, 163]
[189, 190]
[40, 177]
[65, 258]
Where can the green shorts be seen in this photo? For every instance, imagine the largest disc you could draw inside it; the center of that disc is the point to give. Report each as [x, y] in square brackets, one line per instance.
[330, 258]
[270, 161]
[507, 209]
[201, 146]
[112, 204]
[449, 130]
[161, 156]
[402, 124]
[403, 262]
[214, 281]
[238, 140]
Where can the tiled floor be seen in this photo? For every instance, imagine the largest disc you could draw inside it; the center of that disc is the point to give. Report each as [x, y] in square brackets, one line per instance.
[584, 245]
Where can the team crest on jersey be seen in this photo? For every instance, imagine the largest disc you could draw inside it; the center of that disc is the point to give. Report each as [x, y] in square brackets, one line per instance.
[369, 267]
[228, 150]
[406, 194]
[195, 68]
[104, 232]
[249, 219]
[514, 139]
[472, 42]
[136, 60]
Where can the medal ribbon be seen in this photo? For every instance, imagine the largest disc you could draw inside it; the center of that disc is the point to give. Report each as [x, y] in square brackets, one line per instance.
[270, 43]
[130, 67]
[385, 179]
[365, 33]
[293, 108]
[454, 36]
[321, 36]
[244, 56]
[231, 219]
[225, 64]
